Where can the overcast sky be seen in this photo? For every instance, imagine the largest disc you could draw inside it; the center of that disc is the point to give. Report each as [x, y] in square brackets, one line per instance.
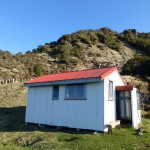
[25, 24]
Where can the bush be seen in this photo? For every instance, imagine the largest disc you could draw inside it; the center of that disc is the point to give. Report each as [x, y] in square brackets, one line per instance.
[63, 52]
[38, 70]
[138, 66]
[112, 43]
[140, 41]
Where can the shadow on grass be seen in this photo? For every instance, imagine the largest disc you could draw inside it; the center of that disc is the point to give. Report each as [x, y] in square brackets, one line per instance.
[12, 119]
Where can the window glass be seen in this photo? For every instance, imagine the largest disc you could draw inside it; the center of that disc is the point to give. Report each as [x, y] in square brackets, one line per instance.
[127, 94]
[75, 91]
[138, 101]
[80, 90]
[55, 92]
[110, 90]
[70, 91]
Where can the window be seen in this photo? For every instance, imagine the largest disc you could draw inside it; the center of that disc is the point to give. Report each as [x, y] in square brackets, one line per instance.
[75, 92]
[138, 101]
[55, 95]
[110, 90]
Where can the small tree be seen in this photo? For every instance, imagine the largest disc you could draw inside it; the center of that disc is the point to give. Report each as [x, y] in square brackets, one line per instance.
[64, 53]
[38, 70]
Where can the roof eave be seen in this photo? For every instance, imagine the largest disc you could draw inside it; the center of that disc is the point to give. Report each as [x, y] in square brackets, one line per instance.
[63, 82]
[124, 88]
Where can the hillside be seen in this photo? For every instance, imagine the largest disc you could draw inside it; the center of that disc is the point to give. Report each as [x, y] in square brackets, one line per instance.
[129, 50]
[12, 95]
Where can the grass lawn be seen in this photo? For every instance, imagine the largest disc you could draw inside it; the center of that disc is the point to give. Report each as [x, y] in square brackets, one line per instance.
[16, 135]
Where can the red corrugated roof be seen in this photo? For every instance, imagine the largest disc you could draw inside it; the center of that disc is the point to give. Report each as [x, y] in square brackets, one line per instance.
[124, 88]
[82, 74]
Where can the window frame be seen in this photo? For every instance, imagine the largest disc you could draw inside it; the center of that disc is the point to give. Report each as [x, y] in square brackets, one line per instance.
[110, 97]
[55, 98]
[75, 92]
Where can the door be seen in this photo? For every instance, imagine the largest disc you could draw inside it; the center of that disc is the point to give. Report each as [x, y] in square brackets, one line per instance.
[125, 105]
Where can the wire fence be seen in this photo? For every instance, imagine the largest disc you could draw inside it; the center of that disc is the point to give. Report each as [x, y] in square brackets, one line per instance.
[7, 81]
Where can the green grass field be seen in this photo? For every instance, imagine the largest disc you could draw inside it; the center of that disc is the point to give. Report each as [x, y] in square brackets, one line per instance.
[16, 135]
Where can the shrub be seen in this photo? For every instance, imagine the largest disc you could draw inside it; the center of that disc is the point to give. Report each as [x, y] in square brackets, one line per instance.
[63, 52]
[138, 66]
[111, 42]
[38, 70]
[140, 41]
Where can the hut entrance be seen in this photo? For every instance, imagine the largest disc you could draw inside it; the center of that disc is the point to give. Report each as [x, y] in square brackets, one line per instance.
[124, 105]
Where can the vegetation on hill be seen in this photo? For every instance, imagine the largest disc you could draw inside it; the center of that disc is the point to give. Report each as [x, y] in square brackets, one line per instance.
[74, 44]
[12, 95]
[140, 41]
[139, 65]
[21, 66]
[81, 50]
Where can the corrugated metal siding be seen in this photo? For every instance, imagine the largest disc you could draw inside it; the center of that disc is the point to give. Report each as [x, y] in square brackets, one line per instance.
[92, 113]
[84, 114]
